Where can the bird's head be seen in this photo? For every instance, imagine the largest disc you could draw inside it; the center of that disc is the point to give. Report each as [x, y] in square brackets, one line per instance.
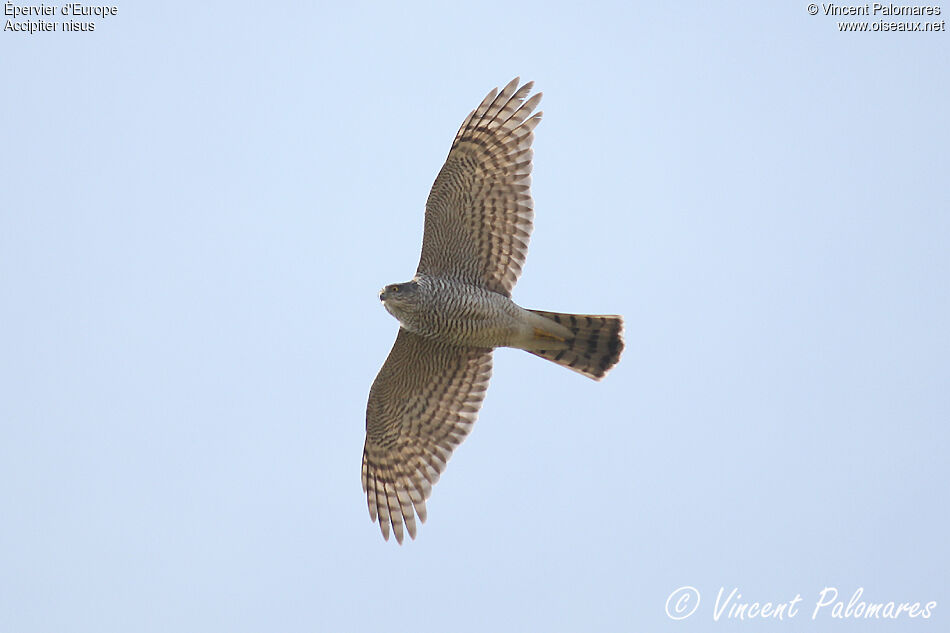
[400, 299]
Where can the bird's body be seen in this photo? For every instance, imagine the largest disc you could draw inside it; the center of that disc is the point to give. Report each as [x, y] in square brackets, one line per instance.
[460, 313]
[458, 308]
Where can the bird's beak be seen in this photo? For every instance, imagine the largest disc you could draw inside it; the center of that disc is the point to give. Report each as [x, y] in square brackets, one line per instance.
[382, 294]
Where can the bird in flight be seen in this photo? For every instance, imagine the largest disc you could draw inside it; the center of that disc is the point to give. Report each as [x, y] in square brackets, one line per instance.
[458, 308]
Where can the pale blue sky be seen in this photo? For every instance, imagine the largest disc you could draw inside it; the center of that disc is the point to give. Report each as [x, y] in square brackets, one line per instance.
[200, 204]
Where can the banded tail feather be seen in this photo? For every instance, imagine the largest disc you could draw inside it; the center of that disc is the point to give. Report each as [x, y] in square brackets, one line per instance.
[595, 347]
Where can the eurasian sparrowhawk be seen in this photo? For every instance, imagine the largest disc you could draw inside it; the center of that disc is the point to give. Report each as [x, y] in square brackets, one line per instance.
[458, 308]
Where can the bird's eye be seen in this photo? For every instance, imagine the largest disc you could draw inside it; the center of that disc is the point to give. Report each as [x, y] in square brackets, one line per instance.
[395, 289]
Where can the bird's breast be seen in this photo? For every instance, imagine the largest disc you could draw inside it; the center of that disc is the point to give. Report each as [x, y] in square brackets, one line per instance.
[461, 314]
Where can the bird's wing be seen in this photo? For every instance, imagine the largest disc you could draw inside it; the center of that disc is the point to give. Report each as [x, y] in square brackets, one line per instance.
[479, 211]
[421, 406]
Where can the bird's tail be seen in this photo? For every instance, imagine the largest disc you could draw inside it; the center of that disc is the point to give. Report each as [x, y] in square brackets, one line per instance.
[595, 346]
